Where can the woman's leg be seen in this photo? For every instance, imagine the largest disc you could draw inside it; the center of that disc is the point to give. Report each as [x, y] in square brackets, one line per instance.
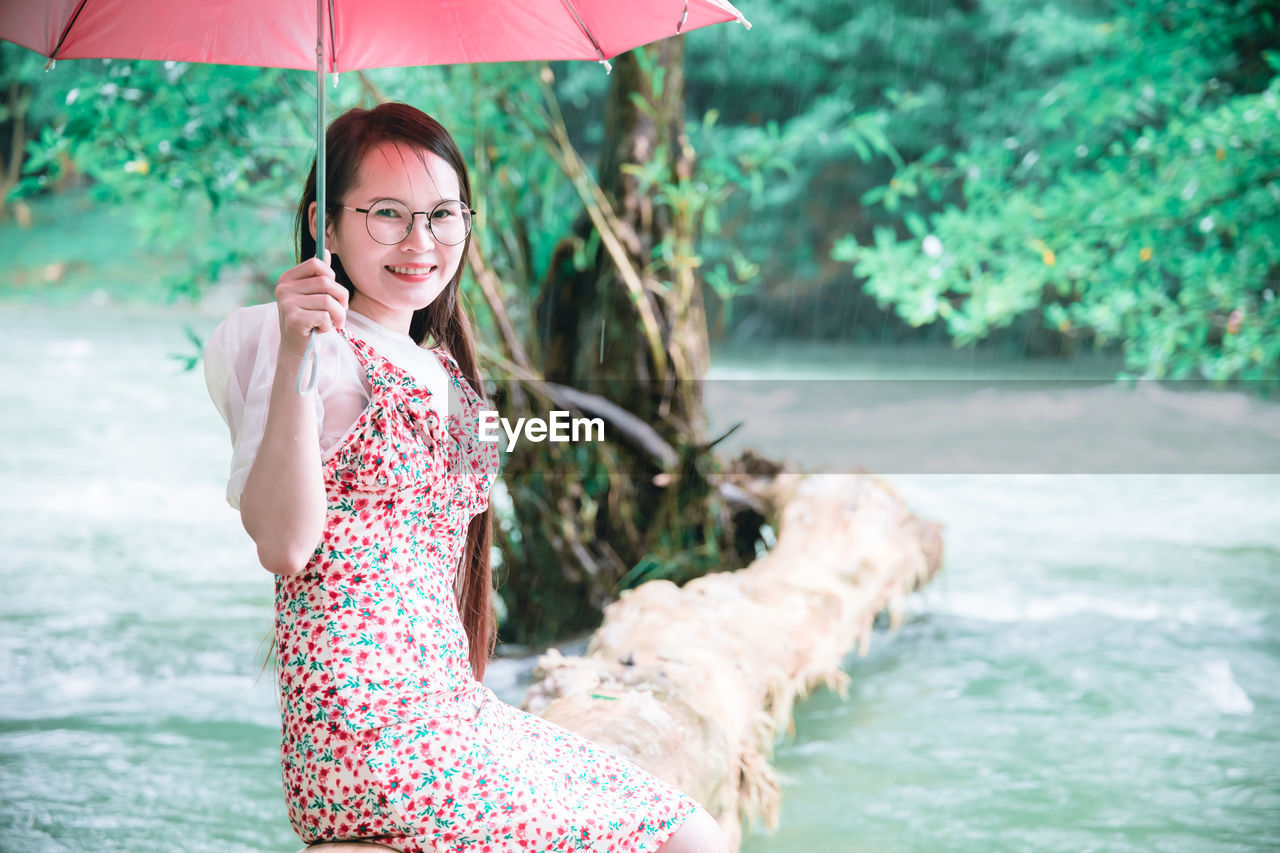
[698, 834]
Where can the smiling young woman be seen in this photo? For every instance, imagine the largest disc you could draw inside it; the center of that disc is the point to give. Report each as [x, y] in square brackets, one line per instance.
[369, 501]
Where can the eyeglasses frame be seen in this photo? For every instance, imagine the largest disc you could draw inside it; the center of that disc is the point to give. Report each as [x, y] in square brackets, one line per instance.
[413, 220]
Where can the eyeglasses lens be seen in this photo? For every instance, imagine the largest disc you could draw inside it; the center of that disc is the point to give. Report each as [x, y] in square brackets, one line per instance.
[390, 222]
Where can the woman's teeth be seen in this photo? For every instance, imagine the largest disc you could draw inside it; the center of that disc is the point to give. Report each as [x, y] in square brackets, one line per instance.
[413, 270]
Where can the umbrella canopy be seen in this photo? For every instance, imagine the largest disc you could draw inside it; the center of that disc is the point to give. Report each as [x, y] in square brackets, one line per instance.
[357, 34]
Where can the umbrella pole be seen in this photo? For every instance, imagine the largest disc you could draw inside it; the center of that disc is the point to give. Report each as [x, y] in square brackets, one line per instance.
[310, 354]
[320, 141]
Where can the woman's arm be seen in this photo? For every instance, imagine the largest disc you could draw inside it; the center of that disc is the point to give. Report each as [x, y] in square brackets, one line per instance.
[283, 504]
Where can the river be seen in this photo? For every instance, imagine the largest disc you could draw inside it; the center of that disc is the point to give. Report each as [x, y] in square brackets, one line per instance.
[1096, 668]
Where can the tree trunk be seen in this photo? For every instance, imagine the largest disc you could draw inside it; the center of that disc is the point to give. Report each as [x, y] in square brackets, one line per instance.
[629, 326]
[16, 103]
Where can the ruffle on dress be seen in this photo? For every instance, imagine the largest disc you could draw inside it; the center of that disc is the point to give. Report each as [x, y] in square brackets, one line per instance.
[408, 436]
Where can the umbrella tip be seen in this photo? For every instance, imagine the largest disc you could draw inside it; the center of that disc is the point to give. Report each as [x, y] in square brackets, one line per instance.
[744, 22]
[608, 69]
[48, 66]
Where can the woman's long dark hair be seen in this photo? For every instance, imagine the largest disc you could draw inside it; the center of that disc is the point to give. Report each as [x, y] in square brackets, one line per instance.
[444, 322]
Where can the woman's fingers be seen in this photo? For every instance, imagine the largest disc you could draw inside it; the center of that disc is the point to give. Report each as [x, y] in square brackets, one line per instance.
[320, 321]
[309, 297]
[311, 287]
[299, 309]
[318, 302]
[309, 268]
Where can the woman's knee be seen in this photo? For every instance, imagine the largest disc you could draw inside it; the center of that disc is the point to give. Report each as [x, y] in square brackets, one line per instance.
[698, 834]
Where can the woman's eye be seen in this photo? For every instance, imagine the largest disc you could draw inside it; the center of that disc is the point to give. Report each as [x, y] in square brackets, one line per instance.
[444, 213]
[388, 213]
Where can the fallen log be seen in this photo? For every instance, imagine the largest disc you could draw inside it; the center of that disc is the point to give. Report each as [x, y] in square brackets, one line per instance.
[695, 683]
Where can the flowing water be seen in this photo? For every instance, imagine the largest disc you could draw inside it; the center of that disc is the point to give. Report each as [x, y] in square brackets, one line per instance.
[1096, 668]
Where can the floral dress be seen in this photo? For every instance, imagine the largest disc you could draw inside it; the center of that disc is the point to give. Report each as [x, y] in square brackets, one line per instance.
[386, 734]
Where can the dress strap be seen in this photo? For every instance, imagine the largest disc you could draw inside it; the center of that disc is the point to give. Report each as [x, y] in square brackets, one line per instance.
[363, 354]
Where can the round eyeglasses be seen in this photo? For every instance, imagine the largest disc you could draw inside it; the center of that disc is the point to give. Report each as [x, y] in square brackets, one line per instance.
[390, 222]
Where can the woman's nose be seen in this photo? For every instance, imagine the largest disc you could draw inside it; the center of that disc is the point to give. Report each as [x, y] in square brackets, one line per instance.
[420, 235]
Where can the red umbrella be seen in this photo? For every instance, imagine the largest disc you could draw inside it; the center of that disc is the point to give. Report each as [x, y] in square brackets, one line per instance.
[357, 34]
[348, 35]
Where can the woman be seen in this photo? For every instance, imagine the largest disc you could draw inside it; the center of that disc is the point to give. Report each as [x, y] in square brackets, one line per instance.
[369, 501]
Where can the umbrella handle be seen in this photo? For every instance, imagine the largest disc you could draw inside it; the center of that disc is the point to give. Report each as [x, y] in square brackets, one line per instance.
[309, 354]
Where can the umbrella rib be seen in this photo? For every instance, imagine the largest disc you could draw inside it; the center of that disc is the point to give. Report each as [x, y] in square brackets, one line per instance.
[53, 57]
[333, 42]
[568, 4]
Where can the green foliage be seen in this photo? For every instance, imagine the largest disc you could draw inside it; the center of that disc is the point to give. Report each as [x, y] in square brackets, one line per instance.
[1105, 169]
[757, 188]
[502, 126]
[190, 360]
[206, 161]
[23, 104]
[852, 90]
[1135, 199]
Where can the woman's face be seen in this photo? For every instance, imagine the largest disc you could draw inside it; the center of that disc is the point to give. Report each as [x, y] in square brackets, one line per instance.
[391, 282]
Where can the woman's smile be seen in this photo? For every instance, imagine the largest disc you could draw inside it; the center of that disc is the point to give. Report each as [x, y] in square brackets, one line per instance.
[412, 272]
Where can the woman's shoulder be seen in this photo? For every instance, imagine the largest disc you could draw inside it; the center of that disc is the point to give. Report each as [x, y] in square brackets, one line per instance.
[243, 338]
[234, 345]
[249, 321]
[251, 335]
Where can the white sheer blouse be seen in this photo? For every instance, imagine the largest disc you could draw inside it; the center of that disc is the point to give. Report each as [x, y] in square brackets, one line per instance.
[240, 366]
